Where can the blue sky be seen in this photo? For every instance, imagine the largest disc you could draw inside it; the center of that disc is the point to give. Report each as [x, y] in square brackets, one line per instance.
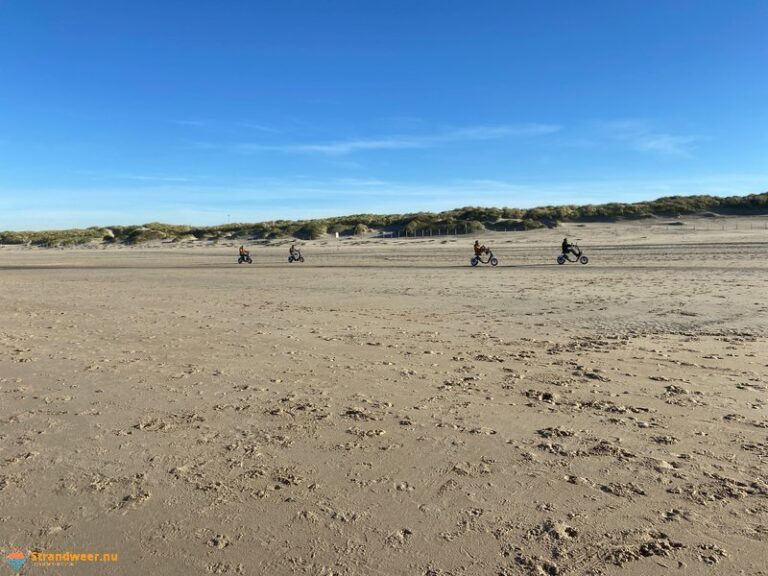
[202, 111]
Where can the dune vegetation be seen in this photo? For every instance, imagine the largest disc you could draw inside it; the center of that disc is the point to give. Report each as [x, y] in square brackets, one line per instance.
[458, 221]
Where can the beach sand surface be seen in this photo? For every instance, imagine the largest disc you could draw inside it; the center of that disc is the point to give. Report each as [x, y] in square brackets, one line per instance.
[386, 409]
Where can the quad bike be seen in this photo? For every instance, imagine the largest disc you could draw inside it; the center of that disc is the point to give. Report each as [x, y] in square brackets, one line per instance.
[578, 256]
[492, 260]
[245, 258]
[295, 257]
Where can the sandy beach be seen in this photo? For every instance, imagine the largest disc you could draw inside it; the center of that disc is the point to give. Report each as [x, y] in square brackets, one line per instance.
[386, 409]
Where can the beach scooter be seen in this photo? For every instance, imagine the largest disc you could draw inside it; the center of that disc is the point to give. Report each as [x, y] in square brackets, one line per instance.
[579, 256]
[295, 257]
[245, 258]
[492, 260]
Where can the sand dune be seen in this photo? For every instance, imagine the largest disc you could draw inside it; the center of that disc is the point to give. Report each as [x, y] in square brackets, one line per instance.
[384, 408]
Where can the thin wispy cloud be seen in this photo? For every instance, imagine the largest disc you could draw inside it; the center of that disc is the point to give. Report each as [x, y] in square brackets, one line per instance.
[227, 125]
[191, 123]
[151, 178]
[492, 132]
[642, 136]
[96, 175]
[666, 143]
[339, 148]
[258, 127]
[404, 142]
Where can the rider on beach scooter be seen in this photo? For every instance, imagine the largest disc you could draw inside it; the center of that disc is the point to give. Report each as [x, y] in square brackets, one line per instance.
[478, 257]
[244, 252]
[568, 248]
[480, 250]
